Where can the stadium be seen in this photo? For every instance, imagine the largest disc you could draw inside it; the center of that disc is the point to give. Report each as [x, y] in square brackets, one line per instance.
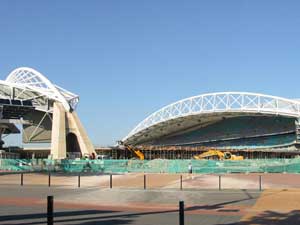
[246, 131]
[255, 126]
[249, 124]
[42, 112]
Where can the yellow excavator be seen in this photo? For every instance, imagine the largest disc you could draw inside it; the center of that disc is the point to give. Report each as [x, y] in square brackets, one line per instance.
[136, 152]
[216, 154]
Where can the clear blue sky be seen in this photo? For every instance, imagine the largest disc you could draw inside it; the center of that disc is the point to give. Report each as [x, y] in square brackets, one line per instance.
[127, 59]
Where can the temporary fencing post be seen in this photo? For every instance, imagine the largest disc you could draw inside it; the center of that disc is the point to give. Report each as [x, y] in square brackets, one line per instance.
[21, 179]
[110, 181]
[260, 187]
[49, 179]
[181, 182]
[79, 180]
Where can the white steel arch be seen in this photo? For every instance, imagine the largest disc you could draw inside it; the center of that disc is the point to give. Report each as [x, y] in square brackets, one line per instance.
[220, 102]
[31, 79]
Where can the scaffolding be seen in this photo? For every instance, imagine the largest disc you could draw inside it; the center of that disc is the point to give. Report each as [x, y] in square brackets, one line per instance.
[187, 152]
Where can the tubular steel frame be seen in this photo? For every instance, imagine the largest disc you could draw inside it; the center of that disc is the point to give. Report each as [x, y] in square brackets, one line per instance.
[32, 80]
[28, 84]
[218, 103]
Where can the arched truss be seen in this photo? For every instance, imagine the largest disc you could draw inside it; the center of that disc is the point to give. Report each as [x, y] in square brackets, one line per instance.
[28, 84]
[220, 102]
[33, 81]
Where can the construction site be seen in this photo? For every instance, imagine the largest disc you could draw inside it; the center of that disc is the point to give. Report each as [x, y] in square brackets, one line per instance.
[226, 155]
[149, 112]
[215, 132]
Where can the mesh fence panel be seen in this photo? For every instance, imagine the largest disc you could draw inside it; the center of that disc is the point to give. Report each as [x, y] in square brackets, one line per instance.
[154, 166]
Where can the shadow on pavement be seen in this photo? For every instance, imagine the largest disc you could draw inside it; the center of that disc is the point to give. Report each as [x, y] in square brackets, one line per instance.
[56, 214]
[84, 217]
[272, 218]
[222, 204]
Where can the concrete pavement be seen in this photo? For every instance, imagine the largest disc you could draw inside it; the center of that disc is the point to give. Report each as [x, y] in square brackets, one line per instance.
[27, 205]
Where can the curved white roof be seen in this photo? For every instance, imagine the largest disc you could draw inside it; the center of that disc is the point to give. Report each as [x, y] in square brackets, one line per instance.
[227, 102]
[30, 79]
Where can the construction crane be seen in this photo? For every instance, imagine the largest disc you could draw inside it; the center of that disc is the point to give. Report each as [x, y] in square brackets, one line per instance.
[216, 154]
[130, 148]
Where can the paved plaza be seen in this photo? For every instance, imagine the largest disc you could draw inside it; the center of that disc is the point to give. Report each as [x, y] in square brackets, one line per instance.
[92, 204]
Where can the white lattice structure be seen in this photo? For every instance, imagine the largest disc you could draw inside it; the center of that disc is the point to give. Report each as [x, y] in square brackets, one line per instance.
[36, 85]
[214, 103]
[52, 119]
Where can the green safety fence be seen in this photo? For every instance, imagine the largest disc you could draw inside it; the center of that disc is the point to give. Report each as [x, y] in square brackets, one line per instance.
[154, 166]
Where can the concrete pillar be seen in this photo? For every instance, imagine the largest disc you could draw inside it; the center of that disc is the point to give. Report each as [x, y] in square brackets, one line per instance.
[58, 133]
[64, 122]
[75, 126]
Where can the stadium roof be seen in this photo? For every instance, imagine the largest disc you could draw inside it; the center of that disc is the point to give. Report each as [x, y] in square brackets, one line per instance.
[32, 85]
[189, 112]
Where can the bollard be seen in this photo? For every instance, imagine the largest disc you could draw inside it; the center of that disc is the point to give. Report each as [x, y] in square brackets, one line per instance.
[181, 213]
[49, 179]
[180, 182]
[50, 210]
[145, 182]
[260, 188]
[110, 181]
[79, 180]
[21, 179]
[219, 182]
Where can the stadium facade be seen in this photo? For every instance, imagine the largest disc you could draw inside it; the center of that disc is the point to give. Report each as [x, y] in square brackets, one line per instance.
[250, 124]
[44, 111]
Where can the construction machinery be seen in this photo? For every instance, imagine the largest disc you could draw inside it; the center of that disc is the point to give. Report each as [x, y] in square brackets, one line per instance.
[136, 152]
[216, 154]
